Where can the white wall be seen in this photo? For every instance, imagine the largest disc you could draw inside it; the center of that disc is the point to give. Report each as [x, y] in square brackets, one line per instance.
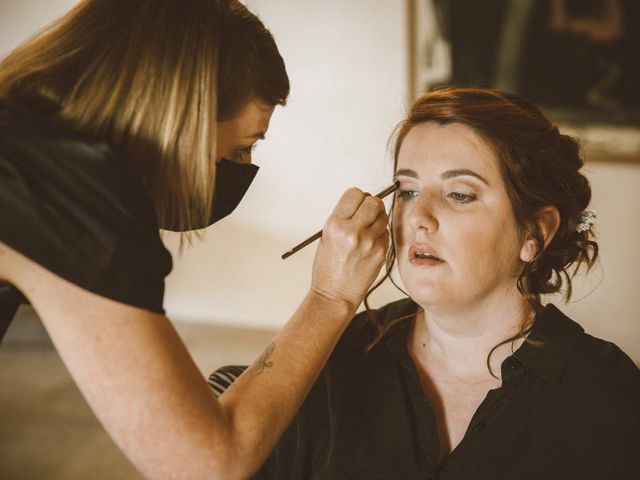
[19, 19]
[607, 302]
[346, 63]
[347, 66]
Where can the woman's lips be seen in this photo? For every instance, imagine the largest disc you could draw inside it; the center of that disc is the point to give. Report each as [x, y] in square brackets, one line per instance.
[422, 256]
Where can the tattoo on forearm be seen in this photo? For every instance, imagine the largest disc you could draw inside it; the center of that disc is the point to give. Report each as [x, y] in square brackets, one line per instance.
[264, 361]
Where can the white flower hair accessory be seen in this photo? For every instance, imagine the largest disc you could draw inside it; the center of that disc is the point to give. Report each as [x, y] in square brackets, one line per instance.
[587, 220]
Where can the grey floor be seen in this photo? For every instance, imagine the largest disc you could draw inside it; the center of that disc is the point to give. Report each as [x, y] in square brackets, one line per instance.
[47, 430]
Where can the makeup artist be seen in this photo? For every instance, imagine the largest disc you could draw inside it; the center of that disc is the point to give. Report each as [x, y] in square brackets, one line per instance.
[124, 117]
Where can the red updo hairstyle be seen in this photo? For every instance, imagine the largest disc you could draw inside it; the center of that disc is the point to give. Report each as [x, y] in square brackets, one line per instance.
[540, 167]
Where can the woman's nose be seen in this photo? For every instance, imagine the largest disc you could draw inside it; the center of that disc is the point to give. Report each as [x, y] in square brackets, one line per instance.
[422, 215]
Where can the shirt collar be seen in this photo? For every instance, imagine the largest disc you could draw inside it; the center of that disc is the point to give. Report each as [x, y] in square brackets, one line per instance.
[546, 352]
[550, 344]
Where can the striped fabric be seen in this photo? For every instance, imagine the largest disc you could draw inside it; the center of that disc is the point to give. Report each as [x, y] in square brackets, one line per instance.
[225, 376]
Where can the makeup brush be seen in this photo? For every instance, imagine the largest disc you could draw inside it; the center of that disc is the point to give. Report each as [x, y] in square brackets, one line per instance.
[387, 191]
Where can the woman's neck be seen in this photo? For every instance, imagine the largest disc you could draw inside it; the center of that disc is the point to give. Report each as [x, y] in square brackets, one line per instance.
[460, 340]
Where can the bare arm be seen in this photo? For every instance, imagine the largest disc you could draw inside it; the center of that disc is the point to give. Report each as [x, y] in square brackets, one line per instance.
[144, 387]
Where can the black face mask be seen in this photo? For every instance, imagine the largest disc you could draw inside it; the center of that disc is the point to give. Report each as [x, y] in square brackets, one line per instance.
[232, 182]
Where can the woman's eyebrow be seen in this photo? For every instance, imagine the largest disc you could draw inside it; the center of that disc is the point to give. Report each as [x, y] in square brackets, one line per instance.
[458, 172]
[462, 172]
[407, 172]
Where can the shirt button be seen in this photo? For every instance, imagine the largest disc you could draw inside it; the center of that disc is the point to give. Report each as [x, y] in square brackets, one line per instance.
[513, 363]
[481, 426]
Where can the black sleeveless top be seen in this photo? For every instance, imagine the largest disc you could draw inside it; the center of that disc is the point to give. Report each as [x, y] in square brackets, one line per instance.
[76, 206]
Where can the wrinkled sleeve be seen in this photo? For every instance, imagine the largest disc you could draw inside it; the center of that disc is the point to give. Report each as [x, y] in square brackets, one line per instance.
[78, 209]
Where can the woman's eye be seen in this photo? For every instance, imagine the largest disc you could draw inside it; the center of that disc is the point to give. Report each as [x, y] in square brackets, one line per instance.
[407, 194]
[243, 152]
[462, 197]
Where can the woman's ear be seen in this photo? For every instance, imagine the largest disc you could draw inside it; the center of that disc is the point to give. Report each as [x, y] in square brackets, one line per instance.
[548, 220]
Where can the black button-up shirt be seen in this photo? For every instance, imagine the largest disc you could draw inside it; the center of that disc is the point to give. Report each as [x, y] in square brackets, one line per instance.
[77, 207]
[568, 409]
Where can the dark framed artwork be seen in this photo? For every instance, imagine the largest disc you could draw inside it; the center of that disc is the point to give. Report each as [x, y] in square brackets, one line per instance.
[576, 59]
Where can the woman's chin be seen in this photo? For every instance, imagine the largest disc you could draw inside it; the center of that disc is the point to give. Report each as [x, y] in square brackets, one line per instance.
[426, 297]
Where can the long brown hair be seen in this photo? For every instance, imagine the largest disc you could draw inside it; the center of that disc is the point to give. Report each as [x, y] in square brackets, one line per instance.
[540, 167]
[153, 77]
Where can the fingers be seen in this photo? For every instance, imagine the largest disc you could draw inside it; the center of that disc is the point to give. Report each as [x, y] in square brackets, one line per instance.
[352, 249]
[366, 229]
[349, 203]
[380, 226]
[363, 208]
[369, 211]
[367, 217]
